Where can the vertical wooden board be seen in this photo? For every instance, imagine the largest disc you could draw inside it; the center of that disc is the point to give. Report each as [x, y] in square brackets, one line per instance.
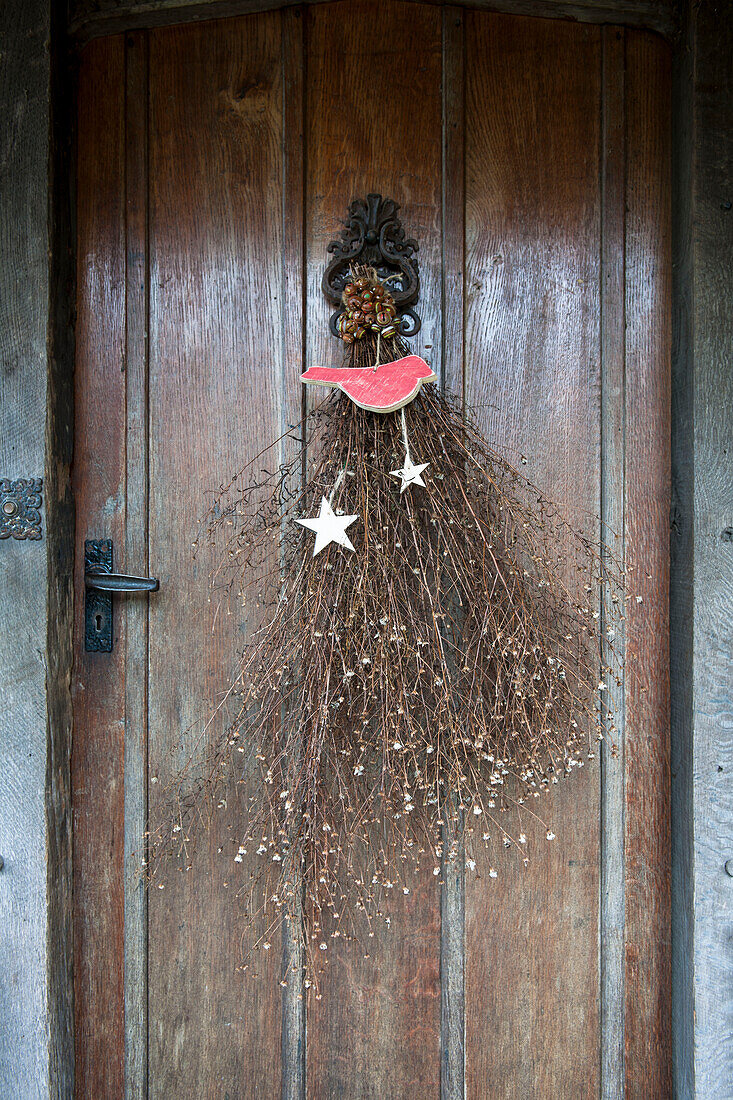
[293, 401]
[452, 898]
[99, 488]
[648, 326]
[216, 238]
[532, 363]
[613, 501]
[710, 751]
[33, 573]
[373, 114]
[135, 610]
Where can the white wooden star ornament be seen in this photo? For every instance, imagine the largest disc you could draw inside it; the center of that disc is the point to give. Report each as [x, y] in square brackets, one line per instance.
[329, 528]
[410, 473]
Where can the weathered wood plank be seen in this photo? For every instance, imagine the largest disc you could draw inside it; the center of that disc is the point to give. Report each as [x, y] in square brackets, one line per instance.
[452, 897]
[374, 124]
[59, 537]
[681, 606]
[24, 298]
[136, 562]
[292, 406]
[216, 345]
[712, 339]
[646, 763]
[99, 489]
[88, 18]
[533, 364]
[613, 438]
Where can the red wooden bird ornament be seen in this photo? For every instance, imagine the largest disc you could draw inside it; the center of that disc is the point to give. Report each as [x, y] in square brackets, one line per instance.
[380, 389]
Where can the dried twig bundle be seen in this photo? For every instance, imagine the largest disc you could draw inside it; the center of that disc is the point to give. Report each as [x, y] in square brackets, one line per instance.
[446, 670]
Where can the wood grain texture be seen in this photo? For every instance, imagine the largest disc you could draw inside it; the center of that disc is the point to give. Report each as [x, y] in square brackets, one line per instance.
[681, 588]
[533, 365]
[135, 611]
[88, 18]
[59, 538]
[261, 130]
[452, 897]
[712, 236]
[292, 405]
[613, 442]
[646, 763]
[99, 488]
[216, 239]
[24, 301]
[374, 124]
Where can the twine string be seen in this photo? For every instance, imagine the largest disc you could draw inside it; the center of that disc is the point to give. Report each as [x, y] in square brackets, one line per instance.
[379, 344]
[336, 485]
[406, 441]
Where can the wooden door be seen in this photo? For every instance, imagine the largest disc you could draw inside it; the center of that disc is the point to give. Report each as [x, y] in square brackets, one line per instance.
[215, 162]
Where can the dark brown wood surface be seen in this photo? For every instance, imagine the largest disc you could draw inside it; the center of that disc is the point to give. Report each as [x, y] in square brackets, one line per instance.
[136, 555]
[99, 488]
[215, 164]
[613, 442]
[533, 363]
[648, 327]
[91, 18]
[216, 238]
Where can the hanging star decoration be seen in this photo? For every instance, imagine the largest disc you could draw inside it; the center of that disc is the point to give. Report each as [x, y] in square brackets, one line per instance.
[410, 473]
[329, 527]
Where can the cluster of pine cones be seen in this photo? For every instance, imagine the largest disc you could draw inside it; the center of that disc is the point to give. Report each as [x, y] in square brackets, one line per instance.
[368, 305]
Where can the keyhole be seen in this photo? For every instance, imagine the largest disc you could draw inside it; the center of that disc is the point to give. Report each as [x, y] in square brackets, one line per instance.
[98, 623]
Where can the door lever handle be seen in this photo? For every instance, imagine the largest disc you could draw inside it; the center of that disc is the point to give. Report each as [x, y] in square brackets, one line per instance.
[100, 583]
[119, 582]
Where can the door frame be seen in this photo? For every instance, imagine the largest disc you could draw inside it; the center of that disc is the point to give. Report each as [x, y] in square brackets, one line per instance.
[45, 231]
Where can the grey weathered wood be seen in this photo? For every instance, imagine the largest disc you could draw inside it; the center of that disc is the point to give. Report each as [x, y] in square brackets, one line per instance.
[91, 18]
[712, 686]
[681, 574]
[452, 371]
[613, 425]
[59, 514]
[24, 299]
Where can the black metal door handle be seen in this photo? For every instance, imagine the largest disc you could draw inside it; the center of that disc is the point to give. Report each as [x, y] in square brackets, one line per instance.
[119, 582]
[100, 583]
